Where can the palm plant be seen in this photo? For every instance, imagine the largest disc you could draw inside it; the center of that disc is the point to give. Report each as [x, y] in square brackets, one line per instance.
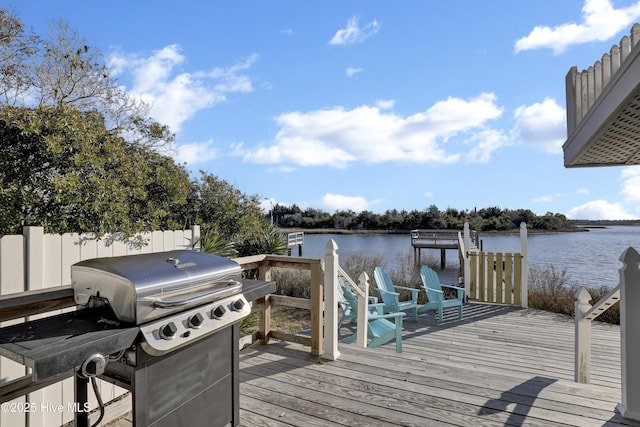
[213, 243]
[268, 241]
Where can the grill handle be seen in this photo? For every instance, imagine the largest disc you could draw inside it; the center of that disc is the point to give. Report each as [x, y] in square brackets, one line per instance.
[218, 293]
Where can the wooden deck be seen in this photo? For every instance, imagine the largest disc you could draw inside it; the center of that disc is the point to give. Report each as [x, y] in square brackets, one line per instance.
[499, 366]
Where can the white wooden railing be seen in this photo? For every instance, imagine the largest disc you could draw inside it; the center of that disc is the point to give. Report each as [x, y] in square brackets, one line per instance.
[362, 290]
[332, 271]
[294, 239]
[585, 87]
[34, 261]
[628, 294]
[467, 246]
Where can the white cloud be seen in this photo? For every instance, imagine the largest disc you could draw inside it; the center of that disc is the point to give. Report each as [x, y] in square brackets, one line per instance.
[542, 125]
[630, 177]
[196, 152]
[230, 79]
[350, 72]
[337, 137]
[599, 209]
[600, 21]
[267, 204]
[385, 104]
[546, 198]
[177, 96]
[336, 202]
[583, 191]
[352, 33]
[485, 143]
[542, 199]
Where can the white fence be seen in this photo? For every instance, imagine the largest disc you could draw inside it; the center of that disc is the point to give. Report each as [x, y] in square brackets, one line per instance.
[35, 260]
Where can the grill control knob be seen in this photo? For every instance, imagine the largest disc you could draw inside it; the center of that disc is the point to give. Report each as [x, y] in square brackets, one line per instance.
[218, 312]
[196, 320]
[238, 304]
[168, 331]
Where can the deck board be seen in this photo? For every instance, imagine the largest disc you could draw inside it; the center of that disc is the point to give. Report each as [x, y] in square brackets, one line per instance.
[499, 366]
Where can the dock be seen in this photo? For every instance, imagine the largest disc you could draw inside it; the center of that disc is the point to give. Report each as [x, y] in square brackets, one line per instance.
[498, 366]
[437, 239]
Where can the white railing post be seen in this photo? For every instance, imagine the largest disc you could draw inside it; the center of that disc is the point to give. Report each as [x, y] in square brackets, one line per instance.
[629, 334]
[363, 310]
[331, 302]
[582, 357]
[524, 294]
[467, 260]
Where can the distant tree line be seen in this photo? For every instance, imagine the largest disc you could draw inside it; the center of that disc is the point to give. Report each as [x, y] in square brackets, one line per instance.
[486, 219]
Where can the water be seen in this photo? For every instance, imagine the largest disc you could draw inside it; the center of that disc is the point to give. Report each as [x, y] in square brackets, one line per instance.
[589, 258]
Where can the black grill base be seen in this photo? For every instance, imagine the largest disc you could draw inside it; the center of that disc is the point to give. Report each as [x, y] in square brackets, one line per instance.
[195, 386]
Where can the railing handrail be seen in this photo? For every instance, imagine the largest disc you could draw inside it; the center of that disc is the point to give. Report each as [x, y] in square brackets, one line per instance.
[295, 238]
[349, 280]
[463, 249]
[603, 305]
[441, 234]
[417, 233]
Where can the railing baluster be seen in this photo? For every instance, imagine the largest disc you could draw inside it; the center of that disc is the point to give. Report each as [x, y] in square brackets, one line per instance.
[585, 87]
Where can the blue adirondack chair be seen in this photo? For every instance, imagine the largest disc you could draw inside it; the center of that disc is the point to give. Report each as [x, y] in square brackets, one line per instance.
[437, 301]
[349, 313]
[391, 297]
[380, 329]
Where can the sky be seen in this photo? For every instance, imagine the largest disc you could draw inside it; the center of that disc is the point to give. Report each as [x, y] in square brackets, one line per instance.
[367, 105]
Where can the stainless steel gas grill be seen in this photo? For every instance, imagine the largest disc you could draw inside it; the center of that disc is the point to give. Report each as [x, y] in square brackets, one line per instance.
[163, 325]
[177, 297]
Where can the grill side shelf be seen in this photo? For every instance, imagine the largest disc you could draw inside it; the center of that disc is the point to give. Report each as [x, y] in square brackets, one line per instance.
[57, 344]
[256, 289]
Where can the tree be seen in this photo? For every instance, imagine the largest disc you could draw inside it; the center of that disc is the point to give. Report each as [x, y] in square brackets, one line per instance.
[17, 47]
[344, 219]
[226, 210]
[368, 220]
[80, 154]
[65, 70]
[62, 169]
[523, 215]
[490, 212]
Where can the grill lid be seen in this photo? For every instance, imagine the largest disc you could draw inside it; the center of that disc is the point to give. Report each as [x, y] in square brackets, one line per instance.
[143, 287]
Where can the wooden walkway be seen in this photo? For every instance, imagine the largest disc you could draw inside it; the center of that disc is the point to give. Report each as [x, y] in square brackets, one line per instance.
[499, 366]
